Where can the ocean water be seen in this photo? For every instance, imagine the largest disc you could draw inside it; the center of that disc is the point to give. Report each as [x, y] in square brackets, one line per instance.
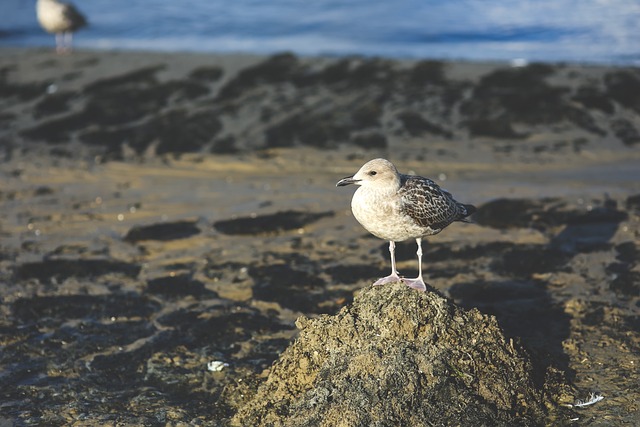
[595, 31]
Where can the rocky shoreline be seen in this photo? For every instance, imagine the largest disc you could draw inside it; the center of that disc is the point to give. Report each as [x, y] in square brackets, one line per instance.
[170, 221]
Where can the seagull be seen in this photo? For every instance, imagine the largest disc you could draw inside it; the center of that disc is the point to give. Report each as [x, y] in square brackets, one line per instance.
[61, 19]
[397, 207]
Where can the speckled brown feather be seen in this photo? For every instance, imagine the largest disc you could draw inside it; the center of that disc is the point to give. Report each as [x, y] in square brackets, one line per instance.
[429, 205]
[74, 17]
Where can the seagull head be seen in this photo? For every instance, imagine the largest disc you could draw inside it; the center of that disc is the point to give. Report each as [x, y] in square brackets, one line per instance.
[376, 173]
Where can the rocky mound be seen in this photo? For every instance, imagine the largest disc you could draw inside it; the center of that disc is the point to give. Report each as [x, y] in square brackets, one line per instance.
[399, 357]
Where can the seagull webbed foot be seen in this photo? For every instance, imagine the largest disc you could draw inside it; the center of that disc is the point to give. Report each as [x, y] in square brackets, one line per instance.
[392, 278]
[417, 283]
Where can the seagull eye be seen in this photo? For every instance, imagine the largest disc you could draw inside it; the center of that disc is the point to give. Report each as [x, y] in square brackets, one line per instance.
[372, 173]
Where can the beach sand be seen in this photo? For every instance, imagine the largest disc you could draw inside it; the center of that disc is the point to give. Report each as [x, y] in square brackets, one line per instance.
[164, 210]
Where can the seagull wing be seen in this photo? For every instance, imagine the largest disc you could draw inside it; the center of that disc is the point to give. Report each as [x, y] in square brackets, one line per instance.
[428, 204]
[73, 16]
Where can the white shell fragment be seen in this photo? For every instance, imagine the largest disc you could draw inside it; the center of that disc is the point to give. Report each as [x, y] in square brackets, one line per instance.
[216, 365]
[593, 398]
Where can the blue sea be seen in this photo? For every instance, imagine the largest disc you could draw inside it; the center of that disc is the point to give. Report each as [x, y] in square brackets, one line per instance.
[593, 31]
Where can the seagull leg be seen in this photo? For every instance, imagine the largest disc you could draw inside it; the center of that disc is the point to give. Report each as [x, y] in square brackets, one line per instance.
[59, 42]
[393, 277]
[418, 282]
[68, 41]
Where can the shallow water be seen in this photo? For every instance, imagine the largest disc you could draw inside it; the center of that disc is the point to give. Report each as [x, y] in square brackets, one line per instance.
[587, 31]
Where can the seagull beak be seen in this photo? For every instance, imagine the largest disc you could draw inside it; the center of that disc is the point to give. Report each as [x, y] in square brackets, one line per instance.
[346, 181]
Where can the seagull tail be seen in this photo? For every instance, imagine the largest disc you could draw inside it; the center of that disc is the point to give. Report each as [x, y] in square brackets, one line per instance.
[467, 210]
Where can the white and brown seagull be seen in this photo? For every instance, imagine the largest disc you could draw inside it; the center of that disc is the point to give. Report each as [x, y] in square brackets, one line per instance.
[397, 207]
[61, 19]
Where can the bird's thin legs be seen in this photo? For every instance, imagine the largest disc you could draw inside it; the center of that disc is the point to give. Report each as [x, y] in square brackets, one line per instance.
[392, 253]
[59, 42]
[393, 277]
[418, 282]
[64, 42]
[68, 41]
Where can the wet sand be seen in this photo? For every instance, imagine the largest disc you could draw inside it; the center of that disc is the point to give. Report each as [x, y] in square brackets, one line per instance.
[161, 211]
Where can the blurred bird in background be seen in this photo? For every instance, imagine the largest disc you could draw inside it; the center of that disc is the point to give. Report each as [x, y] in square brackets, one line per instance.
[61, 19]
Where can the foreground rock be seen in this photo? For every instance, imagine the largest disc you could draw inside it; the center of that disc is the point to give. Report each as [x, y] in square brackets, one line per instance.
[399, 357]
